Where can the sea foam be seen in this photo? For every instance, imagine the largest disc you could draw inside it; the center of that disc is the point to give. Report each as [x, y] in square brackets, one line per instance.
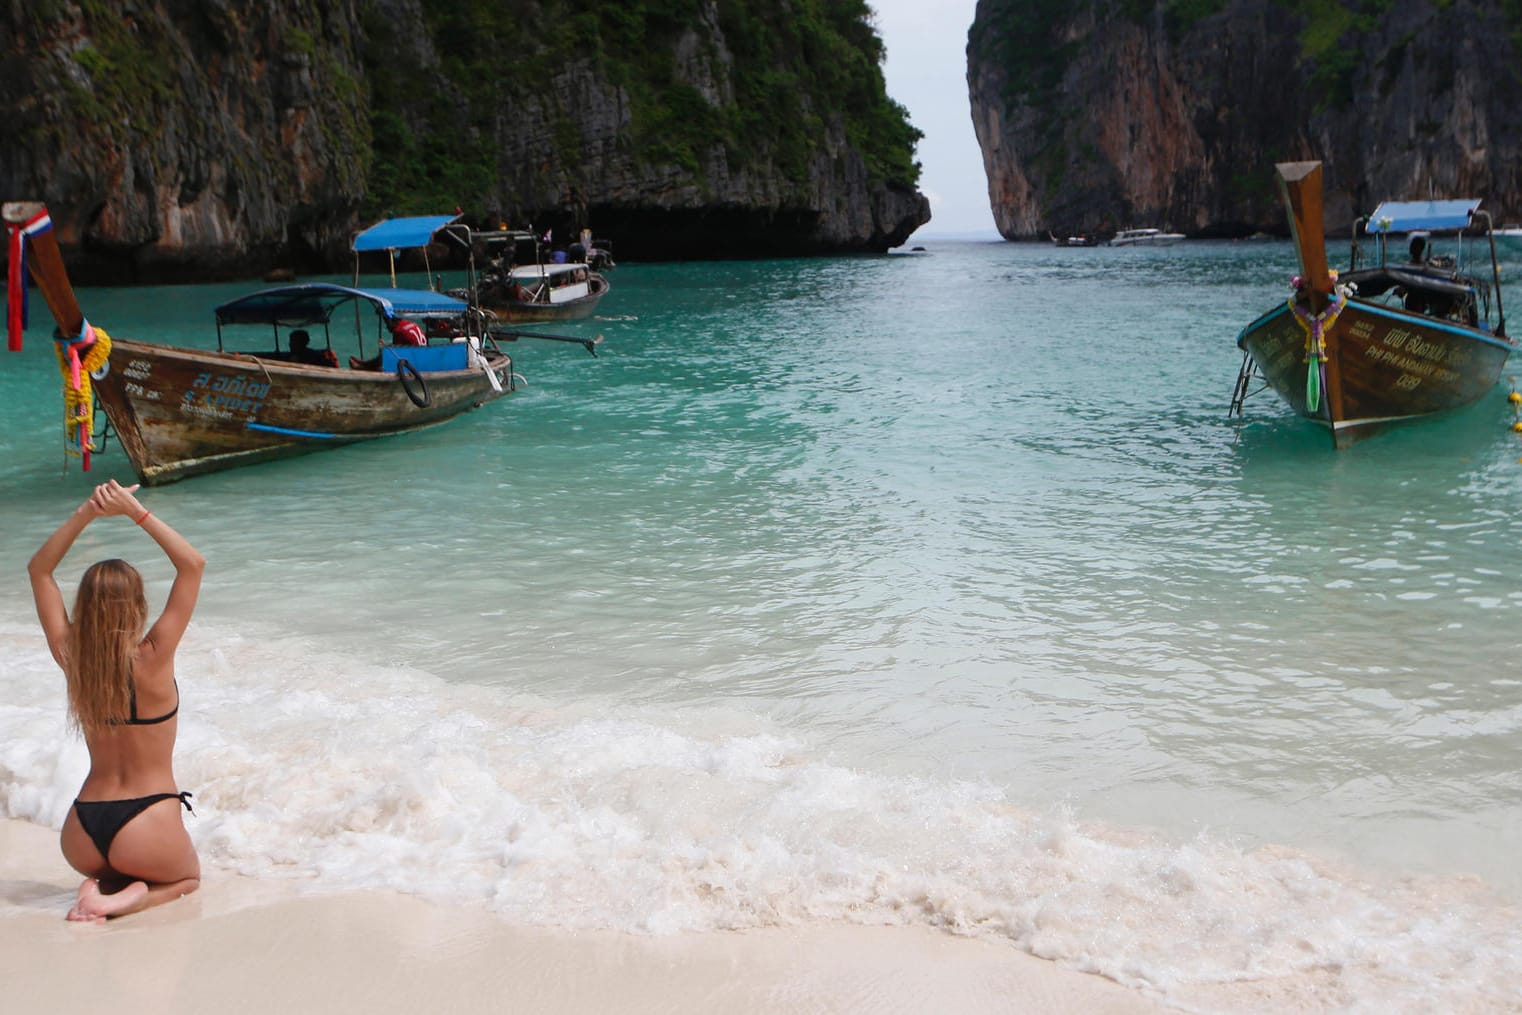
[335, 773]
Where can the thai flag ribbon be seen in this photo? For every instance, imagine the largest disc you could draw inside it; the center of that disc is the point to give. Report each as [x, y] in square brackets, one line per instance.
[15, 283]
[78, 404]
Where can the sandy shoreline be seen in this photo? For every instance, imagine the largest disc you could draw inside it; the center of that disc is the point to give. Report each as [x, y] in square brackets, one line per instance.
[244, 946]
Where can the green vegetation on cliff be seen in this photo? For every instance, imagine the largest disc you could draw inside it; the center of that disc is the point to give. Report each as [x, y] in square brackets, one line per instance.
[765, 87]
[1020, 38]
[151, 91]
[128, 72]
[1027, 38]
[1324, 44]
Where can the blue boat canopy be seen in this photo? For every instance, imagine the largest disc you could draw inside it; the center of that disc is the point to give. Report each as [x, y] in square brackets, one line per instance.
[399, 234]
[1409, 216]
[315, 303]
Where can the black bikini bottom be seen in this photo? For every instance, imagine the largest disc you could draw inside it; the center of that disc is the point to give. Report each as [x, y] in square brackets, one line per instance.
[102, 819]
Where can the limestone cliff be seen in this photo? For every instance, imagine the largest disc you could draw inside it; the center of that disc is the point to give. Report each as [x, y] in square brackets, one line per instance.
[213, 135]
[681, 128]
[1102, 114]
[177, 139]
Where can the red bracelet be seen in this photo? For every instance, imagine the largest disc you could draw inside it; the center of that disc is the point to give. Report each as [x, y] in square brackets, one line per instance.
[144, 516]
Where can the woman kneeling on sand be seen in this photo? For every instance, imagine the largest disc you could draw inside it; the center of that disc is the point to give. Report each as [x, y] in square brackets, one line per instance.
[124, 832]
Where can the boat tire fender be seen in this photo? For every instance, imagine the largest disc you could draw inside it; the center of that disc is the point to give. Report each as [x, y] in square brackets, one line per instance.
[413, 384]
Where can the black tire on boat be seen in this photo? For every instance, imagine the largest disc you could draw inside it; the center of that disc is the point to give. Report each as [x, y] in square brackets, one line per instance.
[420, 398]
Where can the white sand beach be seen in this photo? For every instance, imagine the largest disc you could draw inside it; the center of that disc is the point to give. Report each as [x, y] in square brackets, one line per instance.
[245, 946]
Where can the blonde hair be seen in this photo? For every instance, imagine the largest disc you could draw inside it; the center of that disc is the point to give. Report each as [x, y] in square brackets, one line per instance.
[110, 610]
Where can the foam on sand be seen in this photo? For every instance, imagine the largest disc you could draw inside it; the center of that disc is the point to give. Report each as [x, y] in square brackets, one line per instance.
[244, 946]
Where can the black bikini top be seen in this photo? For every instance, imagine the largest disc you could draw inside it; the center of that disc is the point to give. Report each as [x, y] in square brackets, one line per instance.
[132, 701]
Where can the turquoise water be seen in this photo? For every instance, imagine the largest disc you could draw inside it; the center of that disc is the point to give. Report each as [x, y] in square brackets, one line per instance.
[931, 587]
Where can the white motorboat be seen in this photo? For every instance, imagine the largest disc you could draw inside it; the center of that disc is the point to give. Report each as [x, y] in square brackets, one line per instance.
[1144, 238]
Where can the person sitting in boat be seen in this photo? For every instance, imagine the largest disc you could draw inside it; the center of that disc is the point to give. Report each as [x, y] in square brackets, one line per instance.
[302, 351]
[403, 332]
[1421, 301]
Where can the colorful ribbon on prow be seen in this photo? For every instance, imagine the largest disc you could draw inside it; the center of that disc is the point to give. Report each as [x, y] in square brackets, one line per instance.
[15, 282]
[78, 358]
[1315, 327]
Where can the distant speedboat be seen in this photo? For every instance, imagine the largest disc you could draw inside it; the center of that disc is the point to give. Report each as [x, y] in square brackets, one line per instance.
[1398, 338]
[1144, 238]
[1078, 240]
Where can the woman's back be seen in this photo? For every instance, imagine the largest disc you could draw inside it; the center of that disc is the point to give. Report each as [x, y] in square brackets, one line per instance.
[135, 754]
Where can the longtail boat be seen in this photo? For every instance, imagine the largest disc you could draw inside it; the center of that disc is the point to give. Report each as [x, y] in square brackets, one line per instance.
[542, 292]
[1399, 338]
[181, 411]
[503, 295]
[536, 290]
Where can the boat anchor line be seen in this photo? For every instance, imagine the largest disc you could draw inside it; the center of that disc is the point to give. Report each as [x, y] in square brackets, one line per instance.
[259, 363]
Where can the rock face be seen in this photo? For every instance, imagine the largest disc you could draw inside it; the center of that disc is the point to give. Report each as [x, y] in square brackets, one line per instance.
[748, 127]
[226, 137]
[1098, 115]
[198, 139]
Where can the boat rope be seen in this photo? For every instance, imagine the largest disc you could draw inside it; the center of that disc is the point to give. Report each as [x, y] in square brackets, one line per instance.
[15, 289]
[78, 358]
[1316, 326]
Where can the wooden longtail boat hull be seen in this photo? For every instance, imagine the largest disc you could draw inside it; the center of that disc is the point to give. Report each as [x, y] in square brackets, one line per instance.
[1383, 365]
[526, 312]
[182, 412]
[1377, 362]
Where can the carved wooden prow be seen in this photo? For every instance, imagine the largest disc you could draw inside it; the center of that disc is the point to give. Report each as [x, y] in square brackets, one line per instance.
[45, 263]
[1300, 186]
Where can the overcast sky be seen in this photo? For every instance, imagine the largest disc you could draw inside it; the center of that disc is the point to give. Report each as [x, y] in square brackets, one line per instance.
[926, 71]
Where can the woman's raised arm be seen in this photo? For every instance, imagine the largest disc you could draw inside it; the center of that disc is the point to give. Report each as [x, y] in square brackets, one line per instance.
[165, 634]
[51, 610]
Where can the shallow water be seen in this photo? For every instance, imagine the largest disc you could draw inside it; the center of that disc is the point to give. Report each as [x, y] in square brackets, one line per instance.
[932, 587]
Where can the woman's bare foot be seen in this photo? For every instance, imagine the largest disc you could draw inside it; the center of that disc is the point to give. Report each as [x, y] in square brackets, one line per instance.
[94, 906]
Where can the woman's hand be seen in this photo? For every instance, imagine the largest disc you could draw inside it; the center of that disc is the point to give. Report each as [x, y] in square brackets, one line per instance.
[111, 498]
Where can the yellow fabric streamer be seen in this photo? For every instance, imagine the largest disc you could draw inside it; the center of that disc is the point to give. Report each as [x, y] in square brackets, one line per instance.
[79, 399]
